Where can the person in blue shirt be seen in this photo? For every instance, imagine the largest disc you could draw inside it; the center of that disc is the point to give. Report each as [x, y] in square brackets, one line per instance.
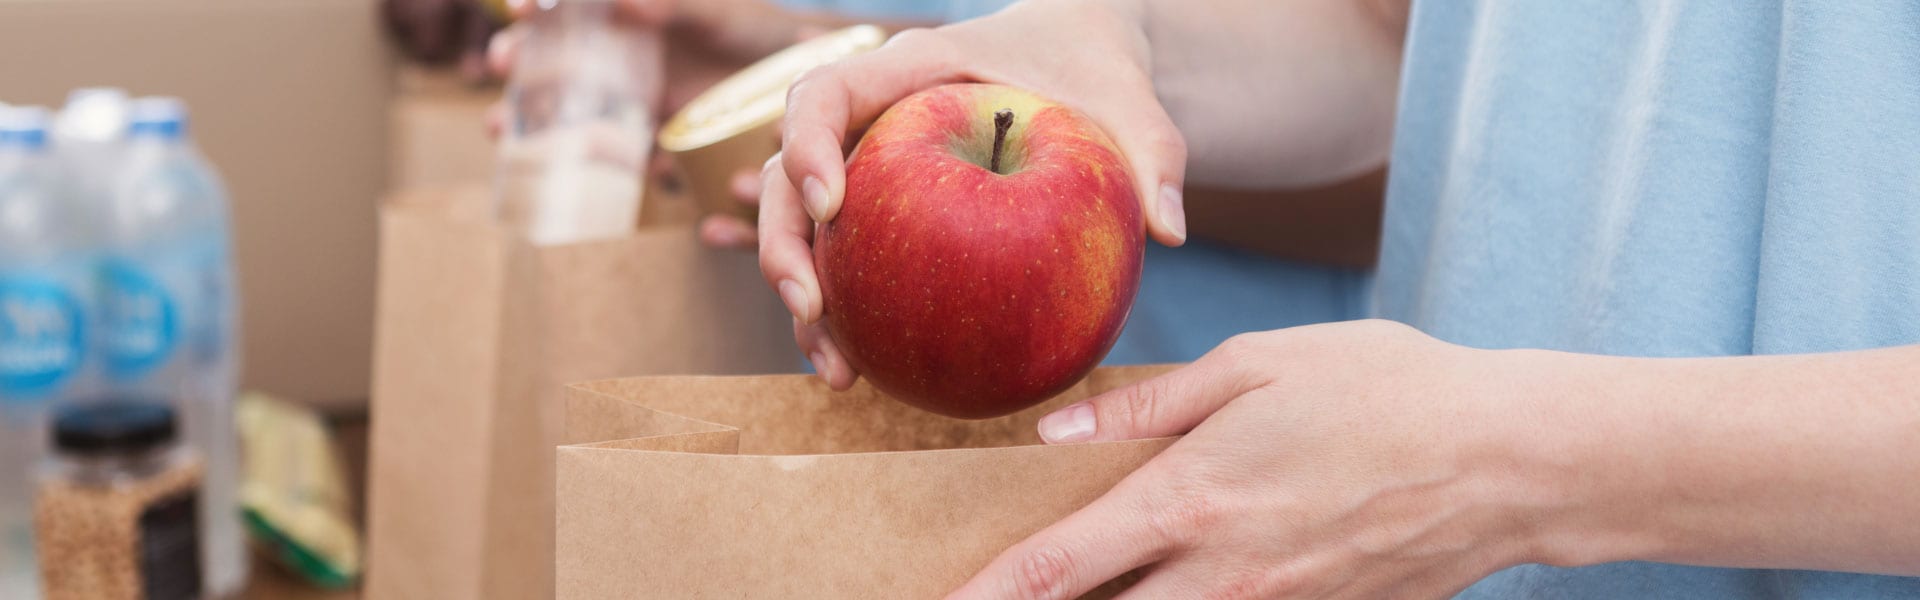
[1649, 293]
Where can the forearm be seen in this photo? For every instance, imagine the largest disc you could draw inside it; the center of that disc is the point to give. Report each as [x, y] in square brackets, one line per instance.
[1807, 461]
[1277, 94]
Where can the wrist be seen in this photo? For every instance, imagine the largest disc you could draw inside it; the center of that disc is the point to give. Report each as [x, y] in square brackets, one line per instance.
[1577, 451]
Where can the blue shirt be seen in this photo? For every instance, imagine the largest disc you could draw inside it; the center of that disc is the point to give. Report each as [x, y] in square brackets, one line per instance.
[1683, 178]
[1198, 295]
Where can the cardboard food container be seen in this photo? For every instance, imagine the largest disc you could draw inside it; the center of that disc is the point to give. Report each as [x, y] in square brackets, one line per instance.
[478, 331]
[776, 487]
[735, 124]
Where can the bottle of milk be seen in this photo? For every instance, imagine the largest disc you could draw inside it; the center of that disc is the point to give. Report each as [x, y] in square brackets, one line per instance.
[579, 127]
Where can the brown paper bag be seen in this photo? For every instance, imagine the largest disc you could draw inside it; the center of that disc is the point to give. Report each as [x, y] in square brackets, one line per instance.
[775, 487]
[477, 332]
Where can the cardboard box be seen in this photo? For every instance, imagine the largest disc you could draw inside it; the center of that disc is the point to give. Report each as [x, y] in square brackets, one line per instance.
[288, 99]
[478, 334]
[776, 487]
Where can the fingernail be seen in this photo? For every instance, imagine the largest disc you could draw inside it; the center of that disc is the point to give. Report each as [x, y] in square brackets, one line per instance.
[1173, 211]
[745, 184]
[728, 236]
[497, 52]
[815, 194]
[1070, 424]
[795, 298]
[819, 365]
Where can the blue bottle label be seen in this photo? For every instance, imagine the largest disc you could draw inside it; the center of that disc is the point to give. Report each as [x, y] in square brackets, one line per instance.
[141, 320]
[42, 340]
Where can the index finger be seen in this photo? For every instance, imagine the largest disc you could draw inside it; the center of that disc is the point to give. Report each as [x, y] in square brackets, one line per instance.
[831, 100]
[1101, 542]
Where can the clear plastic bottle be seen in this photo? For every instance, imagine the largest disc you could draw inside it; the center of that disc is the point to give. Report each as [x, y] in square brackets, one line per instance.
[170, 311]
[87, 138]
[45, 281]
[580, 125]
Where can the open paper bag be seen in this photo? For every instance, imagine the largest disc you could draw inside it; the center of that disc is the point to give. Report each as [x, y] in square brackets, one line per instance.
[776, 487]
[477, 334]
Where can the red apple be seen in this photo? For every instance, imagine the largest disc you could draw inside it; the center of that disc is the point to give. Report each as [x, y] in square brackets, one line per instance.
[987, 252]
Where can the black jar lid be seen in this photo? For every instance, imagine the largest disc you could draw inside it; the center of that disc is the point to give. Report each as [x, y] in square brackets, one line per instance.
[114, 427]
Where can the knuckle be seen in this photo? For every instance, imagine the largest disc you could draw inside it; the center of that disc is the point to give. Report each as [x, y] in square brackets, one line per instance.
[911, 39]
[1236, 588]
[1386, 340]
[1259, 583]
[1386, 327]
[1165, 140]
[1134, 411]
[770, 266]
[1240, 349]
[931, 46]
[1044, 574]
[773, 166]
[1185, 520]
[811, 81]
[802, 335]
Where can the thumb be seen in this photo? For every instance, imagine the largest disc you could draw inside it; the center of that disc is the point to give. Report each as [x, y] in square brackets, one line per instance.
[1170, 404]
[1157, 152]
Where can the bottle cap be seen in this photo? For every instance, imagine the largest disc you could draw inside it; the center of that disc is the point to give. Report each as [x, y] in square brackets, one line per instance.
[160, 116]
[94, 114]
[97, 94]
[23, 126]
[114, 427]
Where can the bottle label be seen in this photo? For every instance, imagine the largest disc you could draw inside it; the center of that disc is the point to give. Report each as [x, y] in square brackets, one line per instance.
[166, 305]
[170, 548]
[141, 319]
[42, 339]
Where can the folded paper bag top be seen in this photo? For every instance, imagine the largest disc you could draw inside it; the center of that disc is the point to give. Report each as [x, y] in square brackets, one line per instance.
[776, 487]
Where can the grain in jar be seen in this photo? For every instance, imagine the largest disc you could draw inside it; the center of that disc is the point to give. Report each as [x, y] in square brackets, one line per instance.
[117, 509]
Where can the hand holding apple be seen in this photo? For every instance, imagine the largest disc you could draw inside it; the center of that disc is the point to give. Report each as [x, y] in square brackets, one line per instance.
[986, 254]
[1347, 460]
[1085, 54]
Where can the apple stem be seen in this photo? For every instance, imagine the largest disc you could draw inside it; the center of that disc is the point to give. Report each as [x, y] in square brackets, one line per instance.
[1002, 121]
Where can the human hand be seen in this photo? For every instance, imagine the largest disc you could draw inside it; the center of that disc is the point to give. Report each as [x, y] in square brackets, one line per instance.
[439, 31]
[1347, 460]
[728, 231]
[1084, 53]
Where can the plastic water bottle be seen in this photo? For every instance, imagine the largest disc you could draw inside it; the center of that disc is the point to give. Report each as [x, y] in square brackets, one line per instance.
[169, 310]
[87, 137]
[45, 279]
